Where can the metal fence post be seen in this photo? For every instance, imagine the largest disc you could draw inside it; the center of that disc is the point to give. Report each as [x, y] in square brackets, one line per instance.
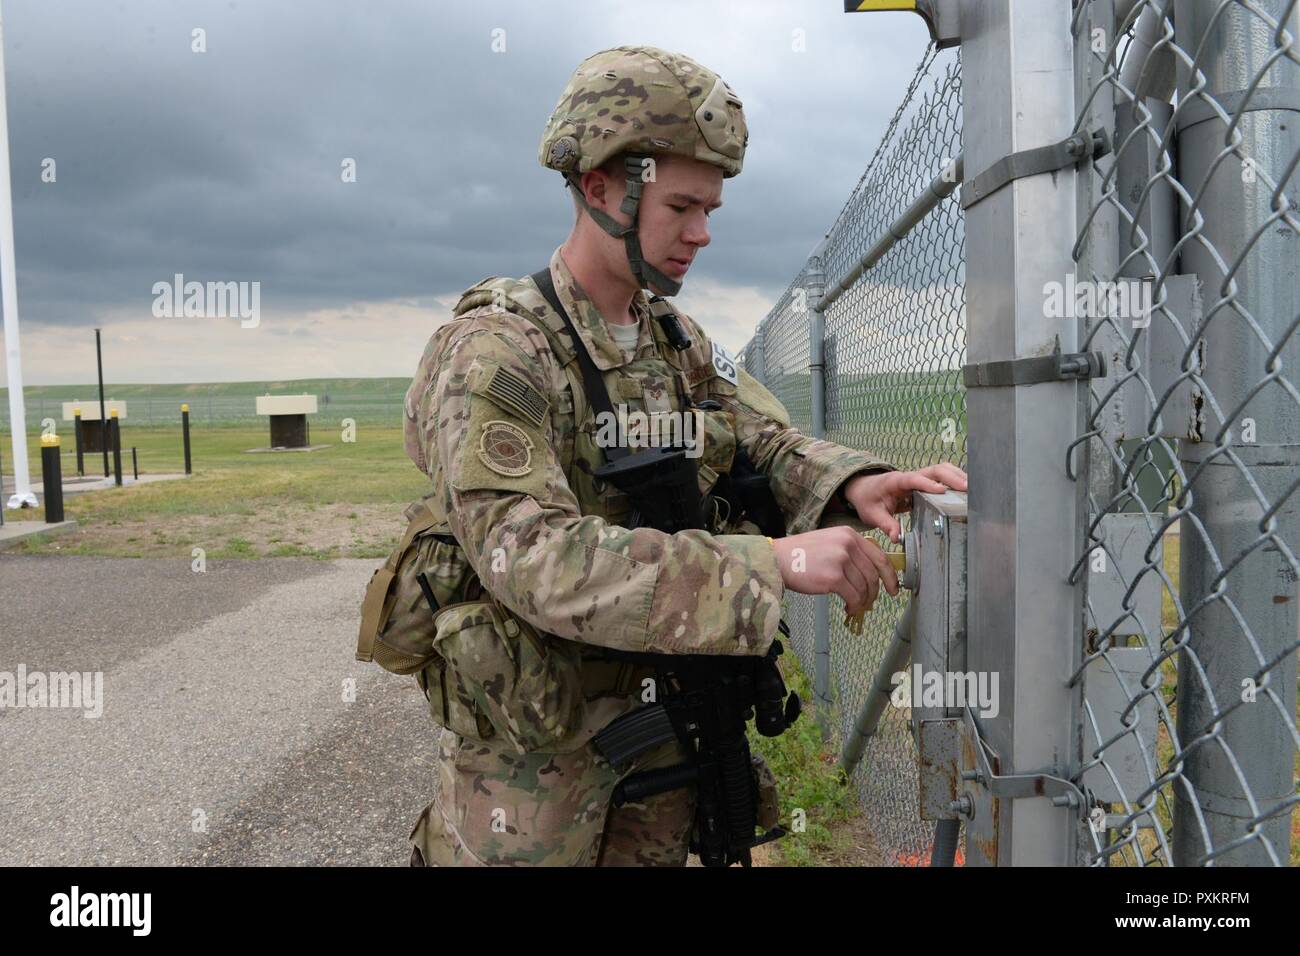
[813, 288]
[1097, 257]
[1017, 63]
[1237, 584]
[756, 357]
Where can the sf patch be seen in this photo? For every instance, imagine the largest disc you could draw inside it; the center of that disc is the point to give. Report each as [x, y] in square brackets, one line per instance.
[724, 364]
[505, 449]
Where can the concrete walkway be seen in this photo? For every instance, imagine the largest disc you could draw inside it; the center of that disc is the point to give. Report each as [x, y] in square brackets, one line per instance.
[226, 736]
[11, 532]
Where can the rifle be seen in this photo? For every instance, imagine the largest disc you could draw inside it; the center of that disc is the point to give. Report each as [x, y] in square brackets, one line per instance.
[705, 700]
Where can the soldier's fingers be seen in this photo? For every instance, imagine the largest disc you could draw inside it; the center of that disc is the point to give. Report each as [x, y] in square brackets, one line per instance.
[948, 473]
[861, 552]
[880, 560]
[880, 517]
[873, 588]
[854, 583]
[852, 598]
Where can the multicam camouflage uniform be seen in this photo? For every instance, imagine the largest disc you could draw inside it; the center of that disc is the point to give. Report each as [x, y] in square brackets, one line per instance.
[497, 417]
[545, 539]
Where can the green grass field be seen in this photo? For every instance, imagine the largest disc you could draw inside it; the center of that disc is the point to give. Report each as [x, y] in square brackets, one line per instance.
[342, 501]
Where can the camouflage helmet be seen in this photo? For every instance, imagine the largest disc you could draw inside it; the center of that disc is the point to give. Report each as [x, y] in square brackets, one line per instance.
[643, 100]
[636, 101]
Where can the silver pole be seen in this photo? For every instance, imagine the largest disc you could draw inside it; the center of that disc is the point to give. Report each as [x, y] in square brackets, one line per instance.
[939, 189]
[1240, 765]
[757, 358]
[1147, 235]
[815, 286]
[1145, 73]
[23, 495]
[1023, 621]
[896, 657]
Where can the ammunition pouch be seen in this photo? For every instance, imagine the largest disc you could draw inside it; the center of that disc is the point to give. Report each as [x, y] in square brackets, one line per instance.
[492, 675]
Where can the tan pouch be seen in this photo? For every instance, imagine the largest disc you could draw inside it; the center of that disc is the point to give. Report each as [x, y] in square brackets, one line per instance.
[493, 675]
[396, 629]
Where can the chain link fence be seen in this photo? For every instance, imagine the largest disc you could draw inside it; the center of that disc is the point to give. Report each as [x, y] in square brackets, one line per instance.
[1187, 284]
[1186, 461]
[894, 344]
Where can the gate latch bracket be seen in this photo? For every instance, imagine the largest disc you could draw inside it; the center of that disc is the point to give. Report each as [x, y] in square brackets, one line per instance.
[1057, 367]
[1030, 162]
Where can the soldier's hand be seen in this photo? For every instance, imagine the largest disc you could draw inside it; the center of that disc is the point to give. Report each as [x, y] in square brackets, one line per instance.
[877, 498]
[836, 561]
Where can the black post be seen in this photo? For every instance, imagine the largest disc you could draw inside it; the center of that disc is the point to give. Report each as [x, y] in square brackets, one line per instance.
[185, 432]
[116, 437]
[76, 430]
[103, 415]
[135, 467]
[52, 473]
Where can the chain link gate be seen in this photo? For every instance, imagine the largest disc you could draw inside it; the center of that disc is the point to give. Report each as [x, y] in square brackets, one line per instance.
[1165, 715]
[1187, 270]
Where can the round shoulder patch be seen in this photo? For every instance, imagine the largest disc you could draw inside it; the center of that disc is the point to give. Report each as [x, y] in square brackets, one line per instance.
[505, 448]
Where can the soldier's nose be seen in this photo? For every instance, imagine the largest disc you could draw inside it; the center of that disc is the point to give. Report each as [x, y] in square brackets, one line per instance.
[697, 235]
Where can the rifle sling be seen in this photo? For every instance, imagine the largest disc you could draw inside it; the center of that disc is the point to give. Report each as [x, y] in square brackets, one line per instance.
[593, 384]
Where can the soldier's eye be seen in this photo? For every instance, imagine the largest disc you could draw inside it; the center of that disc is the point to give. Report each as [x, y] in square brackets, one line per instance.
[680, 208]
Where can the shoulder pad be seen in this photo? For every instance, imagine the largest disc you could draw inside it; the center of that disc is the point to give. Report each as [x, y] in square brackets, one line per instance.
[493, 290]
[522, 298]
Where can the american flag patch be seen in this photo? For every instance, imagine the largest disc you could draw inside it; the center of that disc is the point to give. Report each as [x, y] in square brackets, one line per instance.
[515, 394]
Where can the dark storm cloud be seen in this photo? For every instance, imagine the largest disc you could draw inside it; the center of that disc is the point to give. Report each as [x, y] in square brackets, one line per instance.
[225, 165]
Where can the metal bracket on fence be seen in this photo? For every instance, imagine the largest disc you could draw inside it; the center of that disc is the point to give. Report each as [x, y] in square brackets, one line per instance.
[970, 785]
[939, 750]
[1037, 783]
[1057, 367]
[1030, 162]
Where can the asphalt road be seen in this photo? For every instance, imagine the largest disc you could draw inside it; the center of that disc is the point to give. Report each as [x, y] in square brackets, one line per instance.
[225, 737]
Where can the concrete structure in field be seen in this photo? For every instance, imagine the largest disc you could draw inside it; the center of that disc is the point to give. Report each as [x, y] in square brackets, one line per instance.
[92, 429]
[288, 415]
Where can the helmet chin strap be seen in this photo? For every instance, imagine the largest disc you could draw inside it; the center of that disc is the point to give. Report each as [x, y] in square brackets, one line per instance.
[642, 271]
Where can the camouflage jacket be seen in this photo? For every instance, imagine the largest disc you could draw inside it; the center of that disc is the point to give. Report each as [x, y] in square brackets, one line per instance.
[497, 418]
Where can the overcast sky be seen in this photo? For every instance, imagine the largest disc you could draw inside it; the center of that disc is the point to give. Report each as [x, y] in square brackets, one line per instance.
[226, 165]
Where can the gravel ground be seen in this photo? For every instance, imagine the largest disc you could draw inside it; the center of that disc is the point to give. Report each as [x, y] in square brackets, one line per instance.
[225, 737]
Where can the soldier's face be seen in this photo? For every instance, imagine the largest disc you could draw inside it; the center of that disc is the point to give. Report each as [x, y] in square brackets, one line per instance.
[675, 208]
[673, 223]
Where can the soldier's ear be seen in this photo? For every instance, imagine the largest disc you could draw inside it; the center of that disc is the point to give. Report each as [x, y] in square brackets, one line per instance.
[595, 187]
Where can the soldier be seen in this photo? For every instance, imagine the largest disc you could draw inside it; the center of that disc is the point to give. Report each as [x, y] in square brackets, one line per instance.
[531, 571]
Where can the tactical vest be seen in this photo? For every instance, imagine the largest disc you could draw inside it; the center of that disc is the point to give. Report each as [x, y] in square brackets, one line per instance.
[562, 692]
[653, 385]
